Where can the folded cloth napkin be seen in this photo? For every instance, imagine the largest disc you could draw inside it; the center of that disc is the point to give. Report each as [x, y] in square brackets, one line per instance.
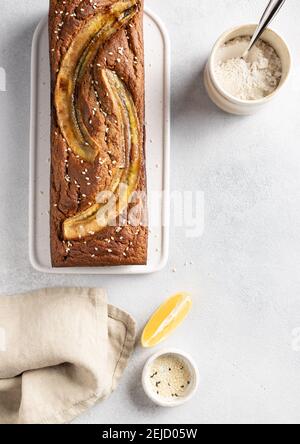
[61, 351]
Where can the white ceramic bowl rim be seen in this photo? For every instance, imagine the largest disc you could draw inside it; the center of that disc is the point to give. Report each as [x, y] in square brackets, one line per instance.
[221, 90]
[179, 401]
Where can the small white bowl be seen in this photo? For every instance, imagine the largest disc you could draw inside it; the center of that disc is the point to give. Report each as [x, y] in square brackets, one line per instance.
[222, 98]
[194, 383]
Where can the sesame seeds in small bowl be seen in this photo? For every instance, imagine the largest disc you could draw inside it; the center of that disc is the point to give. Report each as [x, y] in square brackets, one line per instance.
[170, 378]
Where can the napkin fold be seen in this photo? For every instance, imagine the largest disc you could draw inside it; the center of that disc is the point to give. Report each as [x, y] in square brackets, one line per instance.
[61, 351]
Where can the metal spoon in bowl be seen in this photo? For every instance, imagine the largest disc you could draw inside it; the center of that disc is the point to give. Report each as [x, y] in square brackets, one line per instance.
[269, 14]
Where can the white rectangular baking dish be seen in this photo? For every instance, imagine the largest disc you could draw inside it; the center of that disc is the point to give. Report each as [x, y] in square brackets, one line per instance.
[157, 71]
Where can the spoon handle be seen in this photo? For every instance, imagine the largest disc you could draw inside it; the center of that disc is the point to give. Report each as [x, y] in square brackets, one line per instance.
[271, 11]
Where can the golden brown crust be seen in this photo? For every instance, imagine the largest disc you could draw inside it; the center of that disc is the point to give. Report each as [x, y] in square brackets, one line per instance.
[74, 182]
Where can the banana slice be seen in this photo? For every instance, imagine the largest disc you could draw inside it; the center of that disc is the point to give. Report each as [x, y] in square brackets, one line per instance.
[82, 51]
[105, 213]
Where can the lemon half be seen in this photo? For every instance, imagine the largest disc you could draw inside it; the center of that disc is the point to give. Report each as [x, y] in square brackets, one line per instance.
[166, 319]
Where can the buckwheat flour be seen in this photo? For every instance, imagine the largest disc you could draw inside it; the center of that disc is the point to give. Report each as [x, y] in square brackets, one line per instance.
[251, 79]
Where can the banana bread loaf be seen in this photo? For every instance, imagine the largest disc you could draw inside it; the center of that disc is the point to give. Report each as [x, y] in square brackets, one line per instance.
[98, 213]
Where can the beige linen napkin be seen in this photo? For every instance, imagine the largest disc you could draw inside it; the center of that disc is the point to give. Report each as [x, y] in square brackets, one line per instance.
[61, 351]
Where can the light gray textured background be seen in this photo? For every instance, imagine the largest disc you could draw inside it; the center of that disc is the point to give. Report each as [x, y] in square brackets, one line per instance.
[245, 275]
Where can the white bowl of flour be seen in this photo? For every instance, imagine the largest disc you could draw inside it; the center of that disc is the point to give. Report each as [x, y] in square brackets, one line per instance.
[241, 86]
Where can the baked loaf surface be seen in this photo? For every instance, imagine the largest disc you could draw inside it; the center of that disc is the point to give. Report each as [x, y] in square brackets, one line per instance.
[98, 181]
